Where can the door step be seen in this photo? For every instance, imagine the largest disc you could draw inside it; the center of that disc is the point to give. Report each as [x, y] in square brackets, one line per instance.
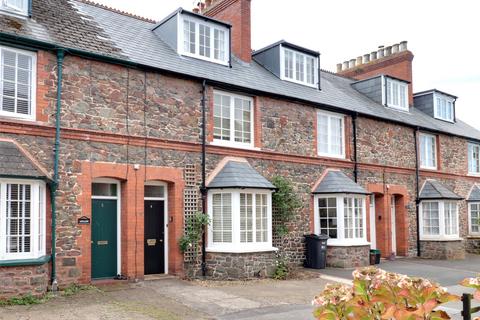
[155, 277]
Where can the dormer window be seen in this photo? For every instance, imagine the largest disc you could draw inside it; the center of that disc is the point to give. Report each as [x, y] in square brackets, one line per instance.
[443, 107]
[15, 6]
[299, 67]
[396, 94]
[204, 39]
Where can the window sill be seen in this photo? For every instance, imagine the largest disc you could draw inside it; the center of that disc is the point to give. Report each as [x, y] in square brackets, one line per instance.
[240, 250]
[25, 262]
[217, 143]
[331, 156]
[441, 239]
[473, 174]
[358, 243]
[428, 169]
[473, 236]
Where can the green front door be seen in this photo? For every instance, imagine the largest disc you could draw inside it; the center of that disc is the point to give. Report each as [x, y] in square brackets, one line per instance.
[104, 238]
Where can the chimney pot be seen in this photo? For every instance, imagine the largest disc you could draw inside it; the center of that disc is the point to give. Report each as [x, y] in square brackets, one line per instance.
[345, 65]
[395, 48]
[208, 3]
[373, 55]
[403, 46]
[339, 67]
[380, 52]
[352, 63]
[388, 51]
[366, 58]
[359, 60]
[196, 10]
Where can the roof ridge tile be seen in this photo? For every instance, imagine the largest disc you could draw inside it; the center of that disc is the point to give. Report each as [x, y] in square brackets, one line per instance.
[125, 13]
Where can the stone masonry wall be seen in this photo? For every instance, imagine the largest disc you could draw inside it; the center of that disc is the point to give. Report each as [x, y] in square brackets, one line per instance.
[20, 281]
[443, 250]
[472, 245]
[348, 257]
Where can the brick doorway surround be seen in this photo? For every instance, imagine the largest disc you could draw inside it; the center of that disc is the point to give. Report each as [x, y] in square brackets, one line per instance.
[132, 214]
[383, 222]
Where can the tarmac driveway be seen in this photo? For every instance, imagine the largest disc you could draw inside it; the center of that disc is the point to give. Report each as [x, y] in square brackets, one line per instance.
[174, 299]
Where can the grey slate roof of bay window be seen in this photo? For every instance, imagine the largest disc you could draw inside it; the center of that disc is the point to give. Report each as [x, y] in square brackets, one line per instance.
[237, 174]
[474, 194]
[338, 182]
[78, 24]
[14, 163]
[433, 189]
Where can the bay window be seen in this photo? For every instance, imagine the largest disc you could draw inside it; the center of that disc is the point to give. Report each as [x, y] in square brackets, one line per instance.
[439, 220]
[299, 67]
[473, 158]
[342, 217]
[474, 218]
[17, 83]
[241, 220]
[330, 131]
[204, 40]
[233, 119]
[428, 151]
[22, 219]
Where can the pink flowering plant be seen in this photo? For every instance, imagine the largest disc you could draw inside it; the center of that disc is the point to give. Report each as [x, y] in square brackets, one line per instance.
[377, 294]
[473, 283]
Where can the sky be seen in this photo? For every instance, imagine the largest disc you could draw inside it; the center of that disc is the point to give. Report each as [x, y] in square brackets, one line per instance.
[443, 35]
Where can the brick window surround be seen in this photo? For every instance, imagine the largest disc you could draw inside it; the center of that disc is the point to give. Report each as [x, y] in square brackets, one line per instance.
[132, 206]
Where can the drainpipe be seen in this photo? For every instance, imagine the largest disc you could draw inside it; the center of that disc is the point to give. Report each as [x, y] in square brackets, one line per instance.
[203, 188]
[355, 160]
[417, 190]
[53, 194]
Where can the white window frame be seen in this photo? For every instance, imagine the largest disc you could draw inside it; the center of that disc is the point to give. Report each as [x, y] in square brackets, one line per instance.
[471, 147]
[341, 240]
[422, 150]
[330, 116]
[470, 232]
[441, 215]
[180, 45]
[33, 87]
[389, 93]
[232, 142]
[236, 246]
[283, 76]
[13, 9]
[449, 103]
[36, 186]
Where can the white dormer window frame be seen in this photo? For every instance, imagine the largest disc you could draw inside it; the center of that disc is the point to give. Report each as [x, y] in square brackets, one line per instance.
[302, 67]
[209, 41]
[443, 107]
[395, 94]
[17, 7]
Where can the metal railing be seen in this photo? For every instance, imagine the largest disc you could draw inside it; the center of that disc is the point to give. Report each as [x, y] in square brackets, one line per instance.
[467, 307]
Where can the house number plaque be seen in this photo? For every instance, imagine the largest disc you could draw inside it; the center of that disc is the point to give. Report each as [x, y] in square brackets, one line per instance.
[151, 242]
[102, 243]
[84, 220]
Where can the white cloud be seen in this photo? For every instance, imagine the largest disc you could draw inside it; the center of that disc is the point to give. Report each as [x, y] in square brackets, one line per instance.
[442, 34]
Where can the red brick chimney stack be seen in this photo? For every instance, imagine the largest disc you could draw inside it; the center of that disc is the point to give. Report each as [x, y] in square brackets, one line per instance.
[395, 61]
[238, 14]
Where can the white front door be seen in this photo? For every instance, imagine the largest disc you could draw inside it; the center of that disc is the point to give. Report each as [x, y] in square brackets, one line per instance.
[394, 232]
[373, 232]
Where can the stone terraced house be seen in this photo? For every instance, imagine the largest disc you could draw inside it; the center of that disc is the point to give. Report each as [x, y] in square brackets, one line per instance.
[107, 121]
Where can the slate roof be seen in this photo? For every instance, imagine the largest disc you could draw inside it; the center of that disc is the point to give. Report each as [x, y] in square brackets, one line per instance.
[78, 24]
[433, 189]
[14, 163]
[336, 181]
[237, 174]
[474, 193]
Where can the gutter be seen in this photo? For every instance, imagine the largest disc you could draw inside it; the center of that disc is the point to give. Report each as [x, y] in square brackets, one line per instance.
[203, 188]
[355, 159]
[15, 40]
[417, 190]
[53, 193]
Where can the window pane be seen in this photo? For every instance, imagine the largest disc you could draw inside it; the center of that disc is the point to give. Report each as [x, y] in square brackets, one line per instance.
[18, 218]
[451, 218]
[431, 218]
[219, 44]
[299, 67]
[204, 40]
[221, 117]
[261, 221]
[222, 217]
[474, 217]
[288, 64]
[16, 82]
[328, 216]
[104, 189]
[242, 120]
[20, 5]
[154, 191]
[246, 217]
[189, 30]
[310, 70]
